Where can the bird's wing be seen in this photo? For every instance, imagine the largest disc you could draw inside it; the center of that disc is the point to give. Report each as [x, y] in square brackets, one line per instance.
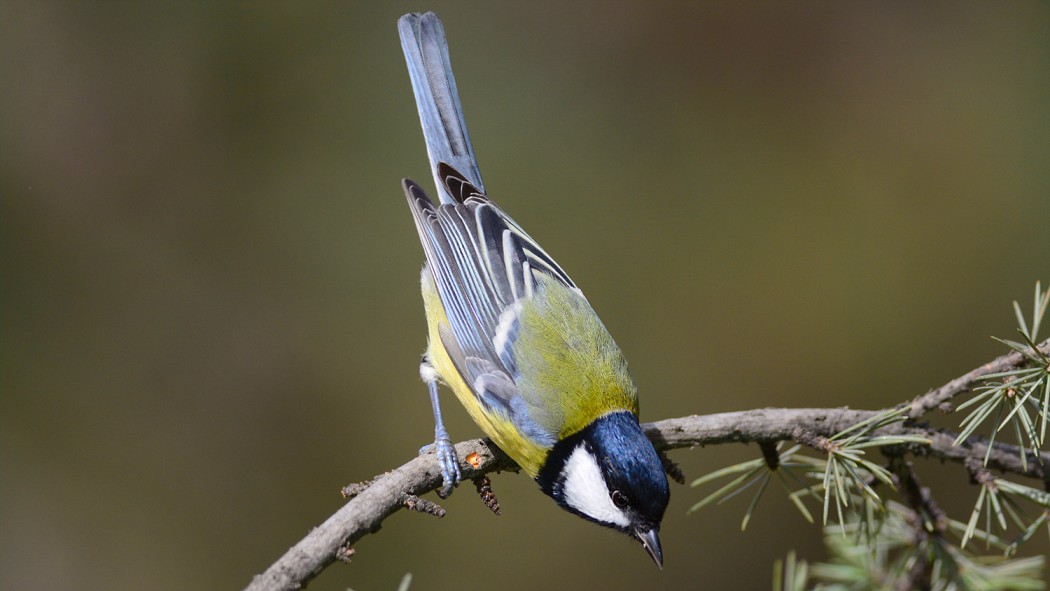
[485, 268]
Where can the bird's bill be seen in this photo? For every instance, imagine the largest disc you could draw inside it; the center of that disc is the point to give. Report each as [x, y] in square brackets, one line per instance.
[650, 539]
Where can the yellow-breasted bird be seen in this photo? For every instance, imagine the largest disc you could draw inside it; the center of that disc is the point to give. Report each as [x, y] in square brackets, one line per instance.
[512, 335]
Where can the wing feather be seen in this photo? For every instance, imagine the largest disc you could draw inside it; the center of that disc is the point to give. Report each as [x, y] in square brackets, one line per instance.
[483, 265]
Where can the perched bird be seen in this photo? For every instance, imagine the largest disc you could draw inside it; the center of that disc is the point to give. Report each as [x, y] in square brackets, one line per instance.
[512, 335]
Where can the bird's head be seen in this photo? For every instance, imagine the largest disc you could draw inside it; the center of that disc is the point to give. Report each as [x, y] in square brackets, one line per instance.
[609, 473]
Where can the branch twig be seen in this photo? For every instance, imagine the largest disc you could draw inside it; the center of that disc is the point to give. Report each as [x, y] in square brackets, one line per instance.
[920, 405]
[779, 424]
[379, 498]
[385, 495]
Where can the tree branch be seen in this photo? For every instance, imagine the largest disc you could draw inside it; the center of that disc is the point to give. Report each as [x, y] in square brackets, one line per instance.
[777, 424]
[920, 405]
[365, 512]
[387, 493]
[374, 501]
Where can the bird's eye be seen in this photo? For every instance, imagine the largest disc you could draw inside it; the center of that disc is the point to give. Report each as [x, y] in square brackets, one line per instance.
[619, 499]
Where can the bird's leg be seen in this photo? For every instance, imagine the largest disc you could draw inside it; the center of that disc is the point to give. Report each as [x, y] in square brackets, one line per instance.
[442, 446]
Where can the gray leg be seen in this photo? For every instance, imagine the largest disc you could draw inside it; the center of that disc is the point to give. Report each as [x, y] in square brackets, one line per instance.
[446, 452]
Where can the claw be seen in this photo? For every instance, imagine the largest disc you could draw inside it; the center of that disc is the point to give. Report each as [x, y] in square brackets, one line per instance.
[446, 456]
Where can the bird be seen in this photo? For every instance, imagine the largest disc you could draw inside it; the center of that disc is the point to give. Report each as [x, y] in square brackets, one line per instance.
[512, 335]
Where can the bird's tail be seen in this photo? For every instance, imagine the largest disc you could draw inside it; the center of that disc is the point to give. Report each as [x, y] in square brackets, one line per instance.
[445, 130]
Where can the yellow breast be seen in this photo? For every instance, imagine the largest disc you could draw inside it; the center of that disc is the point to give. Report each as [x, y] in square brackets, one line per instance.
[529, 455]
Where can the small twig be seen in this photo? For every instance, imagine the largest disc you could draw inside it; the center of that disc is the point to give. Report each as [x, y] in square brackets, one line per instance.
[918, 576]
[770, 454]
[920, 405]
[422, 505]
[929, 523]
[352, 490]
[918, 497]
[484, 486]
[671, 468]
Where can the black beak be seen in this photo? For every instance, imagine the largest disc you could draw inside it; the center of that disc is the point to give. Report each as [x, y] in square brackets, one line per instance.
[650, 539]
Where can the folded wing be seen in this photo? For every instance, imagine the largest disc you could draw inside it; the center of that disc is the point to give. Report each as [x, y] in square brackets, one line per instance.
[484, 266]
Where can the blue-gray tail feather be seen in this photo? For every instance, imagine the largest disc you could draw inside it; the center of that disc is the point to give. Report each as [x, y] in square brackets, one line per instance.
[441, 115]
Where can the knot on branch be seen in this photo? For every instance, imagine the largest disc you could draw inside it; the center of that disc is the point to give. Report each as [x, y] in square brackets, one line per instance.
[344, 552]
[979, 474]
[811, 439]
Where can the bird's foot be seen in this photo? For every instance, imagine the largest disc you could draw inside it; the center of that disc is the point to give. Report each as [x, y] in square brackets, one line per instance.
[446, 456]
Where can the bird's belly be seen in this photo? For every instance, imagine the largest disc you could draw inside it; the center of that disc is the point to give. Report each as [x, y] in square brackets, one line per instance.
[527, 453]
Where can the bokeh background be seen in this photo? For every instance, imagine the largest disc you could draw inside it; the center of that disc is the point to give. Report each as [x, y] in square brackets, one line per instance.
[211, 317]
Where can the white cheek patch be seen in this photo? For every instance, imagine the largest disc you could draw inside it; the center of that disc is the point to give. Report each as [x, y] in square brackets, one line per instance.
[584, 489]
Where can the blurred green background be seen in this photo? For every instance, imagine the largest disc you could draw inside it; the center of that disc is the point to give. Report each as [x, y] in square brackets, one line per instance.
[211, 318]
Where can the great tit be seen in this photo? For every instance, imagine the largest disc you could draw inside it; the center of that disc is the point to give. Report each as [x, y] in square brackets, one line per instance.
[512, 335]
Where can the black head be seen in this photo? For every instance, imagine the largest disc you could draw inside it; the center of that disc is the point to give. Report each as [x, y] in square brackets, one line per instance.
[610, 474]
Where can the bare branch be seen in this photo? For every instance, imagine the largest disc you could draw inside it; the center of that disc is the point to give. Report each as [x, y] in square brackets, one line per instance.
[364, 513]
[373, 501]
[385, 494]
